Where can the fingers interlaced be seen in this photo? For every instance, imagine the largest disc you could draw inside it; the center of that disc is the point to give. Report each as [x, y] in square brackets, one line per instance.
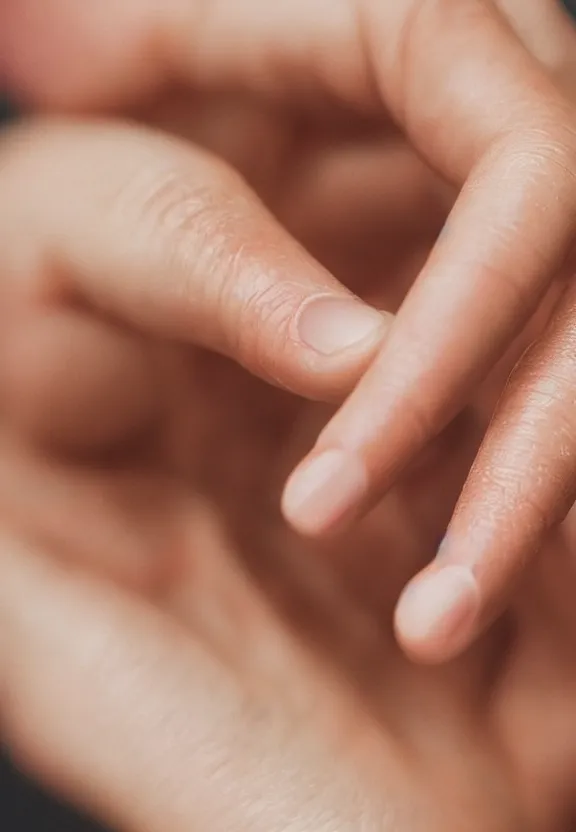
[477, 106]
[481, 110]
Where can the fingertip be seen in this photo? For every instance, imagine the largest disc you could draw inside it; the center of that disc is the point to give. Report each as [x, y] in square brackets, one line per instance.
[320, 349]
[323, 491]
[437, 614]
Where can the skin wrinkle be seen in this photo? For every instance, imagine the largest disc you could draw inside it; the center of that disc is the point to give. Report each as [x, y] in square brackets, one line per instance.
[416, 27]
[535, 433]
[302, 56]
[232, 424]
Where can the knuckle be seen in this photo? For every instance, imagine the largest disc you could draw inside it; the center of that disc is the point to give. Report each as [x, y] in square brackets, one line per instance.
[498, 485]
[542, 156]
[201, 225]
[265, 315]
[414, 24]
[548, 146]
[170, 201]
[186, 216]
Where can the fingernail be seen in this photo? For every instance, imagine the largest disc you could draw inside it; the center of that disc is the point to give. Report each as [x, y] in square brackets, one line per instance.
[439, 611]
[322, 490]
[330, 325]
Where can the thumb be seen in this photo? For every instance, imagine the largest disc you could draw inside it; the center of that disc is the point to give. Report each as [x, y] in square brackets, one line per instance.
[169, 241]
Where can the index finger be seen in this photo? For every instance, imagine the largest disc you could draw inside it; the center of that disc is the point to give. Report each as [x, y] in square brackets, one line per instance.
[478, 106]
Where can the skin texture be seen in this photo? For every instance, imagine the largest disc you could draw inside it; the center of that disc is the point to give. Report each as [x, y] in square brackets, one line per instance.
[173, 655]
[509, 150]
[147, 576]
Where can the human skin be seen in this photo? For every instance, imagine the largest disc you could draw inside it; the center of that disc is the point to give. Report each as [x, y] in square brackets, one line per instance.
[173, 655]
[147, 576]
[508, 149]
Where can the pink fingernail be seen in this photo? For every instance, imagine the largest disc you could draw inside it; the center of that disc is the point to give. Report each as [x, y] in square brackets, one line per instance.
[331, 325]
[323, 490]
[439, 610]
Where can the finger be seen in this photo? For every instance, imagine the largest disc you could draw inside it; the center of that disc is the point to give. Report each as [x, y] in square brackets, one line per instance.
[522, 484]
[167, 240]
[67, 55]
[546, 28]
[508, 235]
[58, 367]
[49, 52]
[122, 711]
[62, 54]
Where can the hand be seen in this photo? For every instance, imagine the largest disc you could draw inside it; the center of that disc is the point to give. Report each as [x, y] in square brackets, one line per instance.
[253, 686]
[511, 144]
[135, 474]
[173, 656]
